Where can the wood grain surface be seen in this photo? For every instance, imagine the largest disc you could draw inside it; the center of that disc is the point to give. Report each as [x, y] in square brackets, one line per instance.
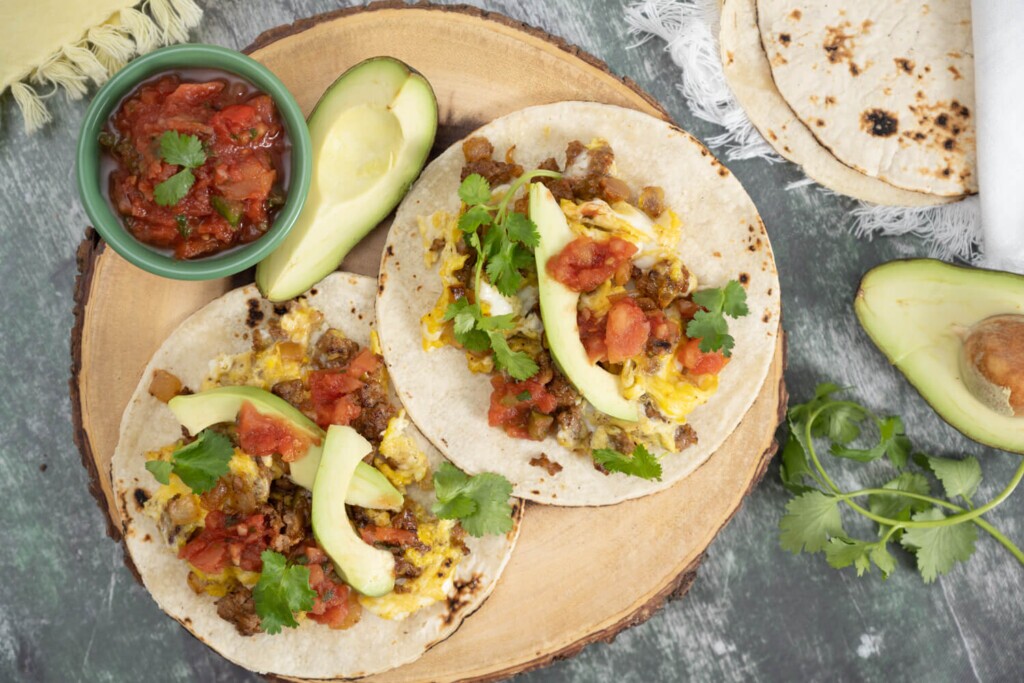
[558, 576]
[69, 610]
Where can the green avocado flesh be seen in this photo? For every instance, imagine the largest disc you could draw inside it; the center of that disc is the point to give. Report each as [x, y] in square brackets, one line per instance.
[370, 133]
[917, 313]
[558, 311]
[367, 569]
[196, 412]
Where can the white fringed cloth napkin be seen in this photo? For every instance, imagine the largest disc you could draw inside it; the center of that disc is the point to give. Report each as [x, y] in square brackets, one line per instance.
[51, 46]
[951, 231]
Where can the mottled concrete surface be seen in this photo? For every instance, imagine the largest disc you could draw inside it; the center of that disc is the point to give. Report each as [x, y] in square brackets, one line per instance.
[69, 610]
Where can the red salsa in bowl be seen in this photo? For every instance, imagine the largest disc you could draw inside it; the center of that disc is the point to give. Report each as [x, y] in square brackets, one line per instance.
[196, 162]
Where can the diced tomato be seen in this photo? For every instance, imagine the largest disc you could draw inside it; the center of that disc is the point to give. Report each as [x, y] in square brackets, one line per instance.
[700, 362]
[365, 363]
[585, 264]
[329, 392]
[388, 535]
[512, 402]
[663, 329]
[227, 541]
[627, 330]
[235, 121]
[335, 604]
[260, 435]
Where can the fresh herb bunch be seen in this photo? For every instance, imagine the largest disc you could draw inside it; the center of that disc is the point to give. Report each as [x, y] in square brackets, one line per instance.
[641, 464]
[504, 242]
[199, 464]
[480, 503]
[939, 532]
[180, 150]
[709, 324]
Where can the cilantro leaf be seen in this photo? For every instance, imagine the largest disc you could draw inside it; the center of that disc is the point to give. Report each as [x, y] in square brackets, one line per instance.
[182, 150]
[502, 271]
[201, 463]
[900, 507]
[518, 364]
[161, 470]
[892, 442]
[842, 552]
[713, 332]
[885, 562]
[281, 591]
[474, 218]
[810, 520]
[174, 189]
[640, 464]
[958, 477]
[521, 229]
[475, 190]
[480, 503]
[938, 549]
[734, 300]
[795, 467]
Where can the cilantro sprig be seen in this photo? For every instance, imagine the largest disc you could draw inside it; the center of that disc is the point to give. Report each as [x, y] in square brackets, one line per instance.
[480, 503]
[640, 464]
[709, 324]
[478, 332]
[180, 150]
[939, 531]
[282, 591]
[199, 464]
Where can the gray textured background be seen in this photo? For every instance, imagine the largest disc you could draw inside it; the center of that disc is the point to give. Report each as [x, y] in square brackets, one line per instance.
[69, 610]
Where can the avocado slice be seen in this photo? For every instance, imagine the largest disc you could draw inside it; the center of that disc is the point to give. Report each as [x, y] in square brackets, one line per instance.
[367, 569]
[919, 312]
[371, 132]
[196, 412]
[558, 311]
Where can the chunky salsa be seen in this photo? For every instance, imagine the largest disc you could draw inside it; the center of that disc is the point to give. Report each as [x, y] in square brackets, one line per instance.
[198, 165]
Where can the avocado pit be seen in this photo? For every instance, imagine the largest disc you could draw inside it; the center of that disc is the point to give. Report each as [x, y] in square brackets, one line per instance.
[992, 363]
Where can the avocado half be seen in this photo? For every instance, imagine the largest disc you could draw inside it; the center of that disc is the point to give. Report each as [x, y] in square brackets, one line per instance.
[558, 311]
[918, 312]
[371, 133]
[196, 412]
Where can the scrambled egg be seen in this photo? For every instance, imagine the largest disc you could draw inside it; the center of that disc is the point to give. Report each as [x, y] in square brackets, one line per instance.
[410, 465]
[446, 226]
[275, 363]
[437, 566]
[675, 393]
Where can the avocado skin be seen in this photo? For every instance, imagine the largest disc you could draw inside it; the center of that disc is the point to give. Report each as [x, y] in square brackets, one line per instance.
[331, 224]
[196, 412]
[366, 569]
[909, 305]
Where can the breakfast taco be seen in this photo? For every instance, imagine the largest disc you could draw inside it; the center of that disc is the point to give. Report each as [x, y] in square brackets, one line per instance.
[581, 298]
[276, 501]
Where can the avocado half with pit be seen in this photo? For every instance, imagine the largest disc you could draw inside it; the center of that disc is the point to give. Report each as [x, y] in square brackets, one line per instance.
[558, 306]
[369, 570]
[196, 412]
[958, 335]
[371, 133]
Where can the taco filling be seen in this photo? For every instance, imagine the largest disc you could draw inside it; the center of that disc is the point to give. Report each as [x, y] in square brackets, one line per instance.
[237, 507]
[640, 317]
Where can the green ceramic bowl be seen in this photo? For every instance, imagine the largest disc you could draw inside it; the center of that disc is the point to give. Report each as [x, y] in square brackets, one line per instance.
[110, 225]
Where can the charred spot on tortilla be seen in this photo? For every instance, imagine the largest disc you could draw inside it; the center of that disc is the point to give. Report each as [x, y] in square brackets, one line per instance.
[744, 279]
[904, 64]
[254, 316]
[795, 15]
[838, 44]
[390, 250]
[462, 596]
[280, 309]
[879, 122]
[820, 123]
[785, 39]
[141, 497]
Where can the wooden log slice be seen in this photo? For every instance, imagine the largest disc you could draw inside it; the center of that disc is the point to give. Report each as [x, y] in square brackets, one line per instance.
[578, 575]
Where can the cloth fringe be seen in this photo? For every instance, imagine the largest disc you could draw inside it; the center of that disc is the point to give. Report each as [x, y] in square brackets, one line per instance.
[690, 30]
[102, 51]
